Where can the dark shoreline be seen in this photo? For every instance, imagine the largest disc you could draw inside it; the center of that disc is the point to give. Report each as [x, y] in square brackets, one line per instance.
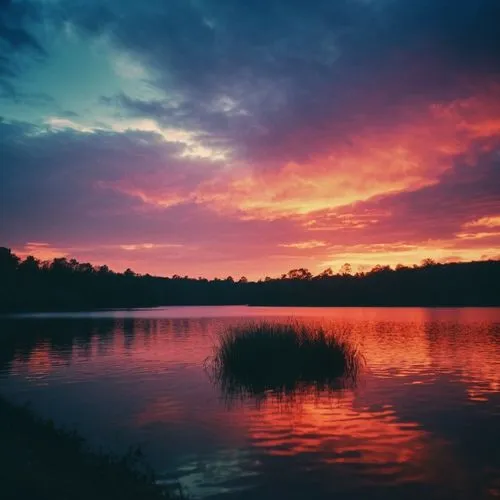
[65, 286]
[39, 461]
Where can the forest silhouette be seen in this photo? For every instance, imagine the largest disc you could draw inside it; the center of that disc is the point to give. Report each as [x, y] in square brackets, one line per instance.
[68, 285]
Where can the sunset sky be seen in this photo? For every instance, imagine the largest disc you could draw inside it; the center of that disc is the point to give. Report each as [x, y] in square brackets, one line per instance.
[248, 137]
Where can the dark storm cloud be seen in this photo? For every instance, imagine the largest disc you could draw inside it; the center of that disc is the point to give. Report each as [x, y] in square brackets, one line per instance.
[328, 65]
[13, 17]
[203, 42]
[16, 39]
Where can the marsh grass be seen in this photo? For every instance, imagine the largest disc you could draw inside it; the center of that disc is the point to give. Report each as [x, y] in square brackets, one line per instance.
[282, 358]
[42, 462]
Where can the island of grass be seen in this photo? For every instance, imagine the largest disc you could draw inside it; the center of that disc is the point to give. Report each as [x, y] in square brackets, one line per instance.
[41, 462]
[282, 358]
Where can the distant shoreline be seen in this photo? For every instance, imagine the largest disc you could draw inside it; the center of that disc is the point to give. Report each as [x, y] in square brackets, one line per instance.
[67, 286]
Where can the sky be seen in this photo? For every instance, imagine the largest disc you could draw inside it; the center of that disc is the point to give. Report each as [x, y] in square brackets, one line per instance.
[234, 137]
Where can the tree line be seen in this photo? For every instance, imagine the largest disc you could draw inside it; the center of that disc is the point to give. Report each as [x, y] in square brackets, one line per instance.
[61, 284]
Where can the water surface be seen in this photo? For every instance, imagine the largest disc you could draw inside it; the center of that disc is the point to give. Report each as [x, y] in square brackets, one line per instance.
[423, 420]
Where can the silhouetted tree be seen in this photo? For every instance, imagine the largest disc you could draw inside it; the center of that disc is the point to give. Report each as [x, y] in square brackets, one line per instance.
[346, 269]
[8, 261]
[30, 265]
[327, 273]
[428, 263]
[299, 274]
[62, 284]
[103, 270]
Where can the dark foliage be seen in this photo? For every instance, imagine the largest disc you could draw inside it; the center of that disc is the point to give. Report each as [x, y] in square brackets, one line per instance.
[38, 461]
[70, 285]
[282, 359]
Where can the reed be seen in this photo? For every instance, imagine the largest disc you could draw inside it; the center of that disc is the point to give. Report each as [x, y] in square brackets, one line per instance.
[256, 358]
[43, 462]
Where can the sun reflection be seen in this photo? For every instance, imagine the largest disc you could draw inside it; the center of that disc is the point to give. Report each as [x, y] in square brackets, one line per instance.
[339, 431]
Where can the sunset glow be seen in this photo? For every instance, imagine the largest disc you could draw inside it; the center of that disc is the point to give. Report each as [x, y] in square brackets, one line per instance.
[235, 146]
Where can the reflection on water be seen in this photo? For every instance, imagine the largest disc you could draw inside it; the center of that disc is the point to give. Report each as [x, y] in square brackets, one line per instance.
[422, 421]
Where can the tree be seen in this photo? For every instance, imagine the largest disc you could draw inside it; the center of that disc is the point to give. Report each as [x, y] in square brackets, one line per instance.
[327, 273]
[73, 265]
[428, 263]
[85, 267]
[243, 279]
[8, 261]
[362, 269]
[60, 266]
[30, 265]
[299, 274]
[103, 270]
[346, 269]
[380, 269]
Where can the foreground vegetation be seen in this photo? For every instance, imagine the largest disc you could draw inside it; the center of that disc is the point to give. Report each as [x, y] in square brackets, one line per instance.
[282, 358]
[40, 462]
[31, 285]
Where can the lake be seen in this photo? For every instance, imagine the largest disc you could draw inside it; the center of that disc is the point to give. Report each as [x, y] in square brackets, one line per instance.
[422, 421]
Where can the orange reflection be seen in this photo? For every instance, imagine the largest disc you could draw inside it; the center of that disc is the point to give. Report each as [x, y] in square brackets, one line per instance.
[338, 430]
[396, 342]
[421, 364]
[40, 362]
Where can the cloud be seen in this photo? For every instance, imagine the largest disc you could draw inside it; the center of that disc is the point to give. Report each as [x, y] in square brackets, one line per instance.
[455, 217]
[484, 222]
[16, 39]
[52, 189]
[289, 64]
[304, 245]
[13, 20]
[375, 162]
[296, 132]
[51, 177]
[314, 107]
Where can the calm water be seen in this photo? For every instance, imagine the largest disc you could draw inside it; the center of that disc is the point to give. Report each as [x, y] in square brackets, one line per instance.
[423, 421]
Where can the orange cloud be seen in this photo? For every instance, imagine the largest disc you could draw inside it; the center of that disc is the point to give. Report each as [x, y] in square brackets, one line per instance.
[484, 222]
[305, 245]
[149, 246]
[376, 161]
[43, 251]
[411, 153]
[320, 210]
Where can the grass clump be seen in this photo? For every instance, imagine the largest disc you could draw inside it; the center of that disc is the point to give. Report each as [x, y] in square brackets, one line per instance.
[256, 358]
